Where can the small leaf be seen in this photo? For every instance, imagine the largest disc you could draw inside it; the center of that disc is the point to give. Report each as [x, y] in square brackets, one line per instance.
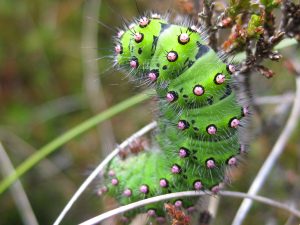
[255, 26]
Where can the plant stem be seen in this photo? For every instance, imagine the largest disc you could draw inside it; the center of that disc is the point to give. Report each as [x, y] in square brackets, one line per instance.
[125, 208]
[64, 138]
[269, 163]
[100, 167]
[17, 191]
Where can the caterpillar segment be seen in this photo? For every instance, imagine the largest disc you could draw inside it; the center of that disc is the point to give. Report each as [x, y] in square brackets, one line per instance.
[198, 122]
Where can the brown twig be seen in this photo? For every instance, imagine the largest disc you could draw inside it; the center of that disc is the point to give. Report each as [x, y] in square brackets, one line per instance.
[207, 17]
[290, 19]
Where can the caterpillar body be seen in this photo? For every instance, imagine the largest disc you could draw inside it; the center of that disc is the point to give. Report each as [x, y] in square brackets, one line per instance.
[199, 115]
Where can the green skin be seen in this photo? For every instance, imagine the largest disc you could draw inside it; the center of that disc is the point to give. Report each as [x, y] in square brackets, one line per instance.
[196, 64]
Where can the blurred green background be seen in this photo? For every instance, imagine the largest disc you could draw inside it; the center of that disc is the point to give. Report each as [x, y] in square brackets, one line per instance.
[50, 81]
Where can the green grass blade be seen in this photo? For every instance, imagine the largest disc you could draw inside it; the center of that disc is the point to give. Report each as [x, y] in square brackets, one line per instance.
[67, 136]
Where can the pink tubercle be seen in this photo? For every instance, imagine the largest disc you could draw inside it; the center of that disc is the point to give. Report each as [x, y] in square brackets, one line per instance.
[133, 64]
[118, 49]
[198, 90]
[114, 181]
[183, 153]
[144, 189]
[127, 192]
[163, 183]
[170, 97]
[152, 76]
[144, 21]
[172, 56]
[231, 68]
[160, 219]
[151, 213]
[178, 203]
[111, 173]
[138, 37]
[181, 125]
[175, 169]
[184, 38]
[232, 161]
[120, 33]
[197, 185]
[102, 190]
[215, 189]
[211, 130]
[234, 123]
[220, 78]
[210, 164]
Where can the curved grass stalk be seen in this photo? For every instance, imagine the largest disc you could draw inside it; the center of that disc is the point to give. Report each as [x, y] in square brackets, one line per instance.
[159, 198]
[276, 152]
[100, 167]
[67, 136]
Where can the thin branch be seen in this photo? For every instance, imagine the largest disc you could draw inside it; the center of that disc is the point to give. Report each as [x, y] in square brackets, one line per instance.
[207, 17]
[17, 191]
[285, 43]
[91, 79]
[275, 99]
[272, 158]
[159, 198]
[100, 167]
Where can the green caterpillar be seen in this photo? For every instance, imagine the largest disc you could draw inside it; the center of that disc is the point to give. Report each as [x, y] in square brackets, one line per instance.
[199, 116]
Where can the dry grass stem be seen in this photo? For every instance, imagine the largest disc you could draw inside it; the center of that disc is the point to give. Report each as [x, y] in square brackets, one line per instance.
[100, 167]
[17, 191]
[159, 198]
[277, 150]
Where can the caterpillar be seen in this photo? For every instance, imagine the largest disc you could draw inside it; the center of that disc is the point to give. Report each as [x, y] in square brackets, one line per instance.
[199, 116]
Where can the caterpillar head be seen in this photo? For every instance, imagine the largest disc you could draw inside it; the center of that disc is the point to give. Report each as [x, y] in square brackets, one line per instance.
[137, 50]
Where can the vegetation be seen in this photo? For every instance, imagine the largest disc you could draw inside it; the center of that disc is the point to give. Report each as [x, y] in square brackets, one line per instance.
[45, 92]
